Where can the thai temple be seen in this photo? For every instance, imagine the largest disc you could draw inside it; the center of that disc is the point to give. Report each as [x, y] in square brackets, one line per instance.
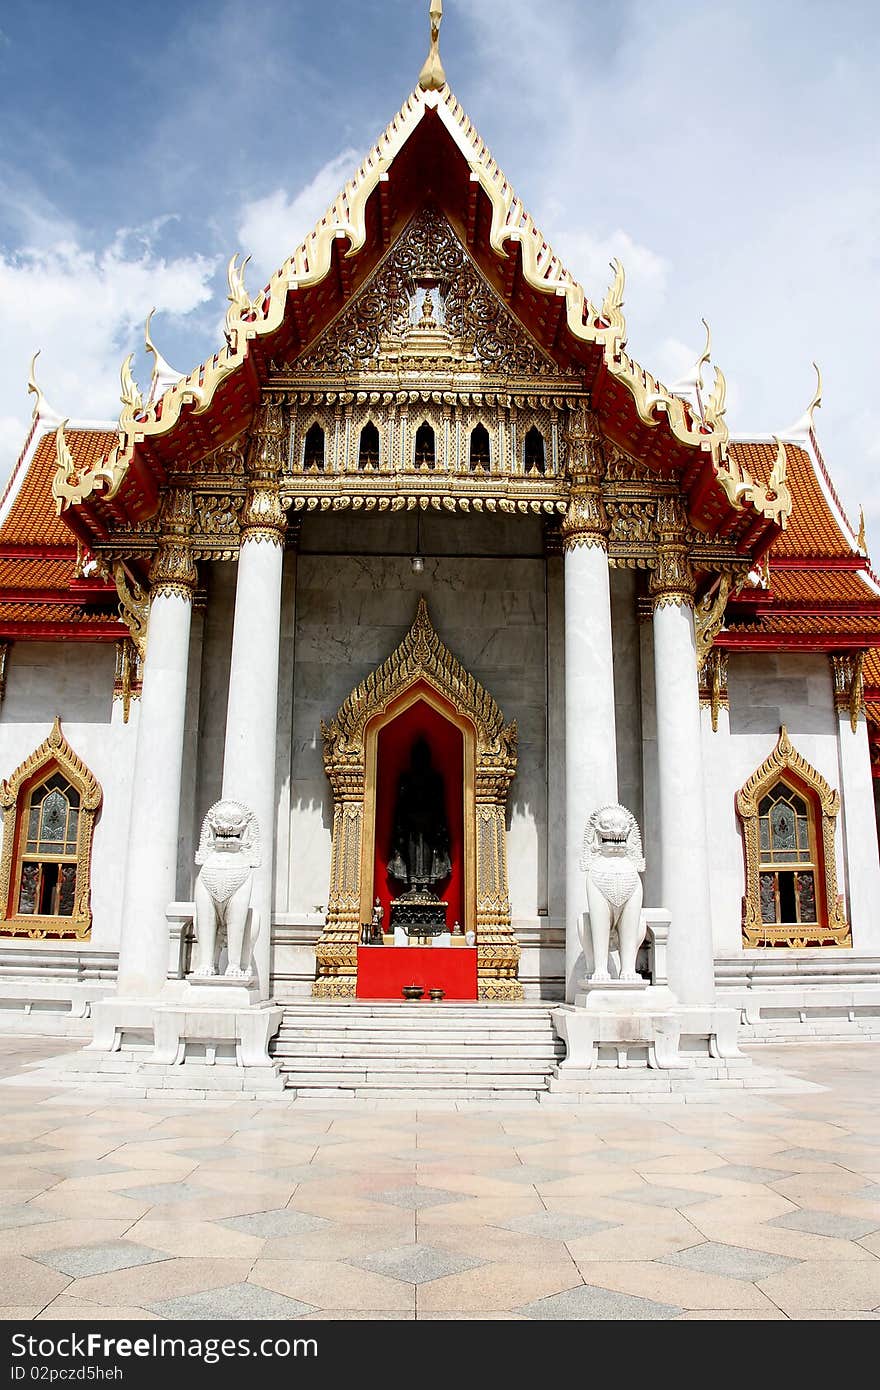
[317, 666]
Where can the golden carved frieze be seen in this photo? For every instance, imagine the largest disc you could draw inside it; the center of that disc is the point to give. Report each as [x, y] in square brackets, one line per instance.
[786, 764]
[54, 752]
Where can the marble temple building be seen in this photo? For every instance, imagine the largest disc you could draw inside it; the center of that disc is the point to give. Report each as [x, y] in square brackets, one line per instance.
[421, 495]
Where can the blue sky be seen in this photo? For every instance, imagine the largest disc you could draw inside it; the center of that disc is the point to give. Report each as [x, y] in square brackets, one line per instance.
[726, 153]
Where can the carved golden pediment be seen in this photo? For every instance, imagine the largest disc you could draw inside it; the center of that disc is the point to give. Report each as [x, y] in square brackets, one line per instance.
[427, 300]
[420, 656]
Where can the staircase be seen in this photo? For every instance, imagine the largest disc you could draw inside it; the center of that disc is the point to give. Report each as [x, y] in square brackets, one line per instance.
[352, 1049]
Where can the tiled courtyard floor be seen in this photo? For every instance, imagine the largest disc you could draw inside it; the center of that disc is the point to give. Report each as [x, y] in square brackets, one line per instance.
[753, 1208]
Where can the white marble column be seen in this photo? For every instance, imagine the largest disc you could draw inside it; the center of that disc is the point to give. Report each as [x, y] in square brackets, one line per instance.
[857, 800]
[151, 863]
[249, 757]
[590, 740]
[684, 857]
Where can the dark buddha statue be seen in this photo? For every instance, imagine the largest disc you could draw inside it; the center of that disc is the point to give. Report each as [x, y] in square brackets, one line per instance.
[420, 845]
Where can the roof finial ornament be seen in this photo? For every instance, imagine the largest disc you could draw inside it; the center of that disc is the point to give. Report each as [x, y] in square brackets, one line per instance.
[42, 409]
[164, 374]
[432, 78]
[862, 538]
[692, 382]
[802, 428]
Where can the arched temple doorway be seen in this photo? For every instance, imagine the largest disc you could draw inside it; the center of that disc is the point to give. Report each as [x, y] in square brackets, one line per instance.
[419, 714]
[420, 691]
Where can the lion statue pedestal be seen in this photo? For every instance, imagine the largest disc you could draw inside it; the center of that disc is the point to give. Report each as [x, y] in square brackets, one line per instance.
[619, 1017]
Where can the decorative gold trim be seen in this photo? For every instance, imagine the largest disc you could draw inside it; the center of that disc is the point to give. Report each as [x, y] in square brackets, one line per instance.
[709, 617]
[173, 570]
[787, 765]
[847, 669]
[713, 684]
[54, 752]
[421, 664]
[127, 682]
[134, 607]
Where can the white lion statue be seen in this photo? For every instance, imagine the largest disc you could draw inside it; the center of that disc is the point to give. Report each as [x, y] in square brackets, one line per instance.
[229, 851]
[612, 859]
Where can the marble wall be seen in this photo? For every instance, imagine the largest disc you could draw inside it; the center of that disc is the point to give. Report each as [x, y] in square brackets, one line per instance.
[766, 691]
[74, 680]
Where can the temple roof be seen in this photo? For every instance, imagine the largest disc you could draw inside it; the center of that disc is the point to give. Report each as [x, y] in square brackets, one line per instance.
[41, 592]
[429, 153]
[819, 590]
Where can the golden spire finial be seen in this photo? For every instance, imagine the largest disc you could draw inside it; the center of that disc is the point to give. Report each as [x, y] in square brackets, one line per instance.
[862, 539]
[432, 77]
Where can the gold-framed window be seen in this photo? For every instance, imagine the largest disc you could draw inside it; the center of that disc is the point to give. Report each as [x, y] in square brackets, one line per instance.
[49, 805]
[789, 863]
[788, 814]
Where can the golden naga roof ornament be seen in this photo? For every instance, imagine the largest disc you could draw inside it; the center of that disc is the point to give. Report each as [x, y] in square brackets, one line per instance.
[130, 395]
[164, 374]
[240, 310]
[862, 538]
[432, 78]
[612, 305]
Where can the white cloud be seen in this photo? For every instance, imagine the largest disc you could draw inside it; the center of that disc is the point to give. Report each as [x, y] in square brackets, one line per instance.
[273, 226]
[84, 309]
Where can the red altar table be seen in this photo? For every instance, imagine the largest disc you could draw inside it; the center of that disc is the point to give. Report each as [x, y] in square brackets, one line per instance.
[384, 970]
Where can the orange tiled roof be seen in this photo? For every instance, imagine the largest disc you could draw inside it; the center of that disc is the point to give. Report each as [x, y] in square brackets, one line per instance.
[871, 673]
[55, 613]
[805, 623]
[35, 573]
[819, 586]
[32, 518]
[31, 521]
[812, 529]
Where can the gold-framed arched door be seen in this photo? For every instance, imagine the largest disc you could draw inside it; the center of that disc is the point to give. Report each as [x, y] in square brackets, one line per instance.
[420, 670]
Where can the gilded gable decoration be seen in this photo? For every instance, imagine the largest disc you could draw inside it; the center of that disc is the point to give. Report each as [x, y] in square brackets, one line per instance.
[389, 323]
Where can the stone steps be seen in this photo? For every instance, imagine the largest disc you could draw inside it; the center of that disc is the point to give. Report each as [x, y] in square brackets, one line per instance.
[363, 1050]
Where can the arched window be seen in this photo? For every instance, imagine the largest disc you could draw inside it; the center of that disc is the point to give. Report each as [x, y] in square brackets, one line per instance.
[49, 807]
[479, 454]
[788, 858]
[534, 451]
[368, 454]
[425, 454]
[789, 814]
[313, 452]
